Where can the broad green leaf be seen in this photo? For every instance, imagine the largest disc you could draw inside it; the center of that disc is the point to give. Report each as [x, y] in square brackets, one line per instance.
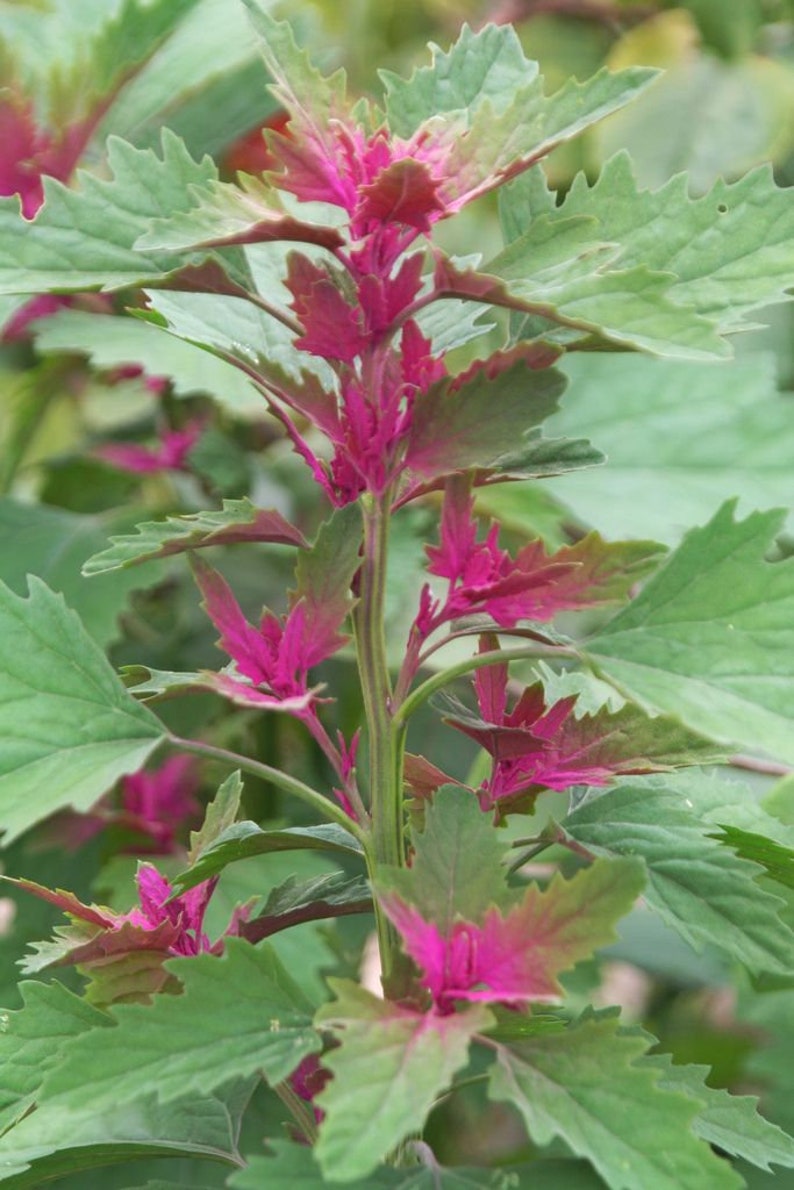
[476, 423]
[69, 727]
[237, 1014]
[83, 238]
[112, 342]
[56, 1140]
[389, 1067]
[700, 888]
[681, 437]
[32, 1039]
[710, 638]
[562, 273]
[293, 1167]
[729, 1122]
[730, 251]
[237, 521]
[589, 1087]
[52, 544]
[458, 866]
[242, 840]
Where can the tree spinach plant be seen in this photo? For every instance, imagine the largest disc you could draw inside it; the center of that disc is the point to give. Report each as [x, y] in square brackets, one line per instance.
[599, 689]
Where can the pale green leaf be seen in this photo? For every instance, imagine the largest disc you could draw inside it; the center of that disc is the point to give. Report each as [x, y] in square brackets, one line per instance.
[242, 840]
[589, 1087]
[389, 1067]
[69, 727]
[730, 251]
[83, 238]
[730, 1122]
[52, 544]
[218, 817]
[112, 342]
[702, 889]
[237, 521]
[681, 438]
[710, 639]
[237, 1014]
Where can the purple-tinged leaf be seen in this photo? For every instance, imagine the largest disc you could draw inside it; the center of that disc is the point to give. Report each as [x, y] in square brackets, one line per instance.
[514, 958]
[389, 1067]
[292, 903]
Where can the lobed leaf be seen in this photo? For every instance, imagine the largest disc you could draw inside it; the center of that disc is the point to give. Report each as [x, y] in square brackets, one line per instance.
[590, 1087]
[69, 727]
[390, 1065]
[710, 637]
[237, 1014]
[237, 521]
[700, 888]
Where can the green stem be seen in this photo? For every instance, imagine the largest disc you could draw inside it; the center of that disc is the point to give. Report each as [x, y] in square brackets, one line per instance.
[385, 784]
[443, 678]
[300, 1111]
[280, 779]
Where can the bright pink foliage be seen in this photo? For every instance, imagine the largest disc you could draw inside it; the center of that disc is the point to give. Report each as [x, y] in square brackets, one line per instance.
[171, 453]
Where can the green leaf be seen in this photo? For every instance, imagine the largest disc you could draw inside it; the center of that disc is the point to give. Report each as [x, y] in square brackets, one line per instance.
[730, 1122]
[242, 840]
[475, 420]
[297, 901]
[458, 866]
[239, 520]
[113, 342]
[682, 436]
[237, 1014]
[32, 1040]
[704, 891]
[52, 544]
[729, 251]
[83, 238]
[710, 638]
[562, 272]
[324, 571]
[218, 817]
[70, 729]
[777, 860]
[589, 1087]
[388, 1069]
[56, 1140]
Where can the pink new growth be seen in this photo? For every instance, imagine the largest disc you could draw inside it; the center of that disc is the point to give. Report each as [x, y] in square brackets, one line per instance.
[171, 453]
[498, 960]
[157, 802]
[185, 912]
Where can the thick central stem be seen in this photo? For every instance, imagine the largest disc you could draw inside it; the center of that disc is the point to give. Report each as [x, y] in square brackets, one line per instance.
[385, 789]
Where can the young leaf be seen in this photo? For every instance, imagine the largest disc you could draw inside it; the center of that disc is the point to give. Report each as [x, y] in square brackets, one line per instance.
[589, 1087]
[515, 957]
[220, 814]
[237, 1014]
[69, 727]
[710, 638]
[707, 894]
[83, 238]
[239, 520]
[389, 1067]
[474, 421]
[242, 840]
[325, 570]
[317, 899]
[729, 1122]
[775, 858]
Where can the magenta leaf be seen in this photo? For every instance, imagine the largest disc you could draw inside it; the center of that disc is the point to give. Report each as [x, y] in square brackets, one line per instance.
[535, 746]
[515, 957]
